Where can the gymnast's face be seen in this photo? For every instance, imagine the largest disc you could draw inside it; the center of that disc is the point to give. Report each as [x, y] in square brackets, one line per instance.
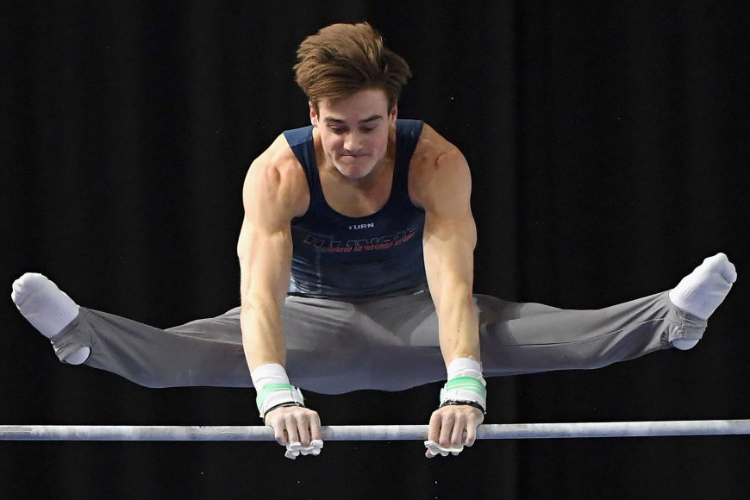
[354, 131]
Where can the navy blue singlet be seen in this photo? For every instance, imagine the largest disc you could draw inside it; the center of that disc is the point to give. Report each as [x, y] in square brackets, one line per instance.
[356, 258]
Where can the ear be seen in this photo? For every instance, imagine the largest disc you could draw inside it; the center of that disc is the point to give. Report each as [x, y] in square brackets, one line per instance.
[394, 113]
[313, 114]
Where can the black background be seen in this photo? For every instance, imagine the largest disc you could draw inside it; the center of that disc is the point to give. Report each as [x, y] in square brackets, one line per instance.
[609, 148]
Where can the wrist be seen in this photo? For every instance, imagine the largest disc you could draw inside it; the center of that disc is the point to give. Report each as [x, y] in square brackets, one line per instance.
[274, 390]
[465, 384]
[461, 367]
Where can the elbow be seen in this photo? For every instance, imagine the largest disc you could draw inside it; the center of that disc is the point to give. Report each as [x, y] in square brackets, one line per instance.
[252, 302]
[458, 290]
[454, 299]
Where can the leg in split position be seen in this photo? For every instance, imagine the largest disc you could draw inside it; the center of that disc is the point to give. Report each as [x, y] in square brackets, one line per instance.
[327, 339]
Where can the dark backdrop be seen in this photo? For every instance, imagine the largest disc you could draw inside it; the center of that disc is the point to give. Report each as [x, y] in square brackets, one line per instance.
[609, 147]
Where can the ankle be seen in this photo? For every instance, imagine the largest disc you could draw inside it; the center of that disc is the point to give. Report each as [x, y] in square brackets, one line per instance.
[43, 304]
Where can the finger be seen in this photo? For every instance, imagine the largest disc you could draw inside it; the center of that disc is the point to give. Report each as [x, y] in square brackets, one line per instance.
[458, 432]
[279, 433]
[446, 431]
[291, 428]
[303, 429]
[279, 430]
[475, 418]
[315, 428]
[433, 434]
[471, 433]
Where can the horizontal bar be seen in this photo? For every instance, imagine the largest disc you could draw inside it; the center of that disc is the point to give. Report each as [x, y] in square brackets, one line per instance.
[372, 432]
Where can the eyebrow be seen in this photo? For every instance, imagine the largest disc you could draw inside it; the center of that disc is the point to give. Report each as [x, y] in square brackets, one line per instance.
[366, 120]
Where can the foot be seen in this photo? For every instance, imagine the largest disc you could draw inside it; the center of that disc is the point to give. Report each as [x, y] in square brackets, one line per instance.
[703, 290]
[47, 308]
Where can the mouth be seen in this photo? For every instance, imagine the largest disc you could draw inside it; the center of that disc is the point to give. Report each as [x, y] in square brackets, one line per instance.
[352, 158]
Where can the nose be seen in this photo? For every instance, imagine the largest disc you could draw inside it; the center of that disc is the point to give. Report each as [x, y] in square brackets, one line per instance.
[353, 142]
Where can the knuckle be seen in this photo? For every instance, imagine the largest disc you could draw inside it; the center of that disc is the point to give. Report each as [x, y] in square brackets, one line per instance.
[275, 421]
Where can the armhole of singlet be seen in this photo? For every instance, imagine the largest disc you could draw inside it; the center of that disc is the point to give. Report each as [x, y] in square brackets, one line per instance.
[408, 133]
[301, 143]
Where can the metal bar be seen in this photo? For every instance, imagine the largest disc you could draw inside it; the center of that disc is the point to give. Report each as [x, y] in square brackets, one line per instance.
[372, 432]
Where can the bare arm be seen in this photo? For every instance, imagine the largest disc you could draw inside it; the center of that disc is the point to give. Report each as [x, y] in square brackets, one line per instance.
[442, 186]
[449, 241]
[275, 191]
[265, 252]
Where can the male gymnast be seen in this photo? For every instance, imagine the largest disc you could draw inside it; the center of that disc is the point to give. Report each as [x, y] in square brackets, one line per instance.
[356, 259]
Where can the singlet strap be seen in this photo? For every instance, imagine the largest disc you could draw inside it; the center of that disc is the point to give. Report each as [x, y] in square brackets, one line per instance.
[303, 146]
[408, 133]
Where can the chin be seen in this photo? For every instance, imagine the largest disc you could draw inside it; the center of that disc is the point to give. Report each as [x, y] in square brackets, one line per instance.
[353, 170]
[352, 173]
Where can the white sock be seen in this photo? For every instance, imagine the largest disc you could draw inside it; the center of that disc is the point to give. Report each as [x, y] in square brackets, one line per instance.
[703, 290]
[47, 308]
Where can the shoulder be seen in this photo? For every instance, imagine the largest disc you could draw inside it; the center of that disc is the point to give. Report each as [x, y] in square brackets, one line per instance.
[276, 181]
[437, 170]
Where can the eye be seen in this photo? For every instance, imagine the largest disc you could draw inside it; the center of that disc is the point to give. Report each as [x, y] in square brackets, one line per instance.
[337, 130]
[368, 129]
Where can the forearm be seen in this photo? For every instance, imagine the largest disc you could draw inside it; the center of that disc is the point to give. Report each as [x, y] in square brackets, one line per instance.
[262, 333]
[458, 323]
[280, 404]
[463, 399]
[449, 264]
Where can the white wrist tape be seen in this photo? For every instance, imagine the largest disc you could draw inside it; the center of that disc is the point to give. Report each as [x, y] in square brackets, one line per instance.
[293, 450]
[464, 367]
[273, 387]
[435, 449]
[465, 383]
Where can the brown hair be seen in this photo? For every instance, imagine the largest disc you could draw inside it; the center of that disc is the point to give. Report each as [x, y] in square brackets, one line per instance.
[342, 59]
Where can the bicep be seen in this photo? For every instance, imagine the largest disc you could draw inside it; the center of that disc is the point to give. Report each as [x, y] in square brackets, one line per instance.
[448, 245]
[450, 231]
[265, 260]
[264, 247]
[445, 196]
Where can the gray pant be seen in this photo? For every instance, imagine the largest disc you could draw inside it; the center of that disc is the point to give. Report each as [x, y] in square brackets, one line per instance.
[389, 344]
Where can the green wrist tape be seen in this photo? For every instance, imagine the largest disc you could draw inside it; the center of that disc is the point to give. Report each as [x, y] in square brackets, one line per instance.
[270, 389]
[466, 384]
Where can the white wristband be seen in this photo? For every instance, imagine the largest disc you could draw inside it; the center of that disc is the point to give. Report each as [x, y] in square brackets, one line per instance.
[272, 384]
[465, 383]
[272, 373]
[464, 367]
